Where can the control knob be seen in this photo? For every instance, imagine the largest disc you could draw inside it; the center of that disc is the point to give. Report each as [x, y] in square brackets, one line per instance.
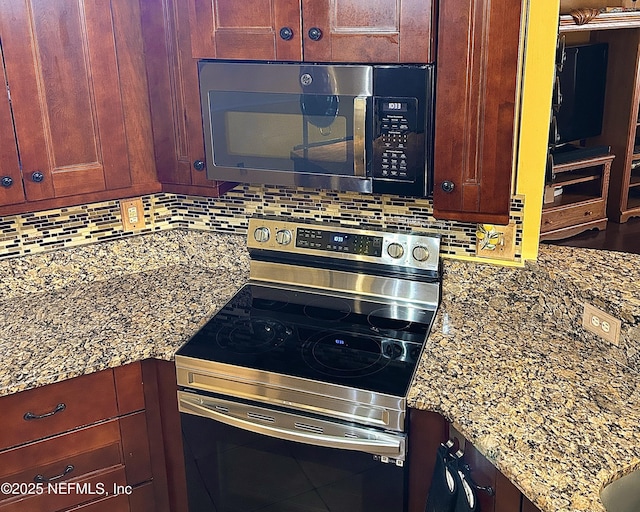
[283, 237]
[420, 253]
[395, 250]
[262, 234]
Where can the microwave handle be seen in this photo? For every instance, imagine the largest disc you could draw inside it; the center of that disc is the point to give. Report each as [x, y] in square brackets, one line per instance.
[359, 136]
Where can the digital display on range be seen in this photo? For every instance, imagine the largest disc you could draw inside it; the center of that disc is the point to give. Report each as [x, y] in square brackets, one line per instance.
[339, 242]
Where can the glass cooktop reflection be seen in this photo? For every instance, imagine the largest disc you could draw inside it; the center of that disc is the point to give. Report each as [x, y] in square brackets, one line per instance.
[354, 343]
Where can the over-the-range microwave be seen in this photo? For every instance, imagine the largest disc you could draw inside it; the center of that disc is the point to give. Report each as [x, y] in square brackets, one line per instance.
[364, 128]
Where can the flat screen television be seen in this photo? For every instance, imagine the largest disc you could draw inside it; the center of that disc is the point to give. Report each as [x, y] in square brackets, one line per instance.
[582, 88]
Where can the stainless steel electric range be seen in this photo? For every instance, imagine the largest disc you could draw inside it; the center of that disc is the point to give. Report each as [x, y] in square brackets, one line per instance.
[293, 396]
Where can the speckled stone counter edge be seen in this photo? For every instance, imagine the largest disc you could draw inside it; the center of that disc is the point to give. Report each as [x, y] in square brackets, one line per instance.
[571, 276]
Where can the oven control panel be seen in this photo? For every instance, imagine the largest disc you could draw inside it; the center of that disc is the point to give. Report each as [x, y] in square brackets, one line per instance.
[339, 241]
[420, 251]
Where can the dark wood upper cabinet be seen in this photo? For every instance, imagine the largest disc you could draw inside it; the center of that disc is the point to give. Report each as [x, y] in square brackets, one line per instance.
[79, 101]
[62, 55]
[477, 88]
[385, 31]
[169, 32]
[177, 34]
[256, 30]
[11, 190]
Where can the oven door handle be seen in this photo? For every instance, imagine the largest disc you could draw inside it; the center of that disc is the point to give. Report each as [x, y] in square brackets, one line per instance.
[295, 427]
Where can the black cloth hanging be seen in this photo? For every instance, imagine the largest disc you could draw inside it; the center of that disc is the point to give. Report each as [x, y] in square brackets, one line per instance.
[466, 499]
[444, 486]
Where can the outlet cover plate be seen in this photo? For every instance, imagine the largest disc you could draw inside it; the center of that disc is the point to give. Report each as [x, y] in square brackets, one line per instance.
[496, 242]
[601, 323]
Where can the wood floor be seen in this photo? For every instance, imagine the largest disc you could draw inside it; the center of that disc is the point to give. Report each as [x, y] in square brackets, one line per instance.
[617, 237]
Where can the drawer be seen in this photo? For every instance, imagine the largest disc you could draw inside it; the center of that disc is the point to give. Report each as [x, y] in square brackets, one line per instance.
[115, 503]
[70, 466]
[141, 499]
[56, 408]
[571, 215]
[90, 488]
[65, 456]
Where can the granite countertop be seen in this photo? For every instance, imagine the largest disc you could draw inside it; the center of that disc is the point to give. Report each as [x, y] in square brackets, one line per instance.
[79, 311]
[554, 408]
[508, 363]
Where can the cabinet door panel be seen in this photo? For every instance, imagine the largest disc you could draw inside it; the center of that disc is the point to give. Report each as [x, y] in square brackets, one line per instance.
[9, 165]
[60, 57]
[368, 31]
[174, 95]
[129, 387]
[476, 92]
[135, 446]
[527, 506]
[228, 29]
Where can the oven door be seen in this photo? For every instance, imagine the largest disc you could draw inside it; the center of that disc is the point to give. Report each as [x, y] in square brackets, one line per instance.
[287, 124]
[241, 457]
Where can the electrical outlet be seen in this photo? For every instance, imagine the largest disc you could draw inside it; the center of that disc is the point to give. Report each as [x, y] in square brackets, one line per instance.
[602, 324]
[132, 212]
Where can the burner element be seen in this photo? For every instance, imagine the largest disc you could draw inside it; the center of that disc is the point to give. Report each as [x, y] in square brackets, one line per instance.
[398, 318]
[273, 301]
[327, 308]
[253, 336]
[344, 354]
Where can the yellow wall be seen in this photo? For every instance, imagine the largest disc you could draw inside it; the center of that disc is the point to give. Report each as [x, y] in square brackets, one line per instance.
[540, 47]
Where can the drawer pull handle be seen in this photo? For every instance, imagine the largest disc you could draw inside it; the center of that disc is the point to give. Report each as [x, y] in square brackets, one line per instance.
[40, 479]
[30, 416]
[588, 213]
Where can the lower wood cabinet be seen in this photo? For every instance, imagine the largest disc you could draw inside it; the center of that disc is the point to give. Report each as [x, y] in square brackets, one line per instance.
[426, 431]
[88, 443]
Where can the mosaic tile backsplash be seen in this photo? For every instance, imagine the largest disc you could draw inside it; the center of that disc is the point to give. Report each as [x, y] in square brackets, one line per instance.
[33, 233]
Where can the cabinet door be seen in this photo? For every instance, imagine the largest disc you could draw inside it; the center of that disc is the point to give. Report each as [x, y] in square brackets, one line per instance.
[475, 117]
[255, 30]
[11, 190]
[175, 99]
[426, 431]
[504, 497]
[367, 31]
[527, 506]
[61, 63]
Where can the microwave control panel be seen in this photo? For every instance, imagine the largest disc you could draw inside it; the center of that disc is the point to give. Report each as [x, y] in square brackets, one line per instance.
[395, 155]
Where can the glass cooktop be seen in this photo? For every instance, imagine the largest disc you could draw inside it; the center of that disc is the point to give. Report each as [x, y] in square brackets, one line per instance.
[355, 343]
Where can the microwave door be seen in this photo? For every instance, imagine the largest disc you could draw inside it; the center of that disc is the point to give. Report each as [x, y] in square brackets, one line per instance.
[281, 132]
[290, 137]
